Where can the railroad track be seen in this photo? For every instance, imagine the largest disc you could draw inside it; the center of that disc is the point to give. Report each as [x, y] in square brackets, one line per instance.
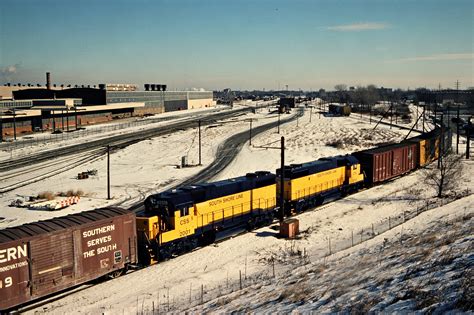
[375, 120]
[28, 141]
[120, 141]
[226, 153]
[91, 151]
[96, 154]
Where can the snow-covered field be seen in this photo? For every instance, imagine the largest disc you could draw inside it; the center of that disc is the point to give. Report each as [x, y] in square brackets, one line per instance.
[209, 273]
[152, 165]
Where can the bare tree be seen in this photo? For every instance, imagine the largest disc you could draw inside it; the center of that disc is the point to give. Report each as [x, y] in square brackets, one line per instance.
[446, 176]
[340, 87]
[341, 92]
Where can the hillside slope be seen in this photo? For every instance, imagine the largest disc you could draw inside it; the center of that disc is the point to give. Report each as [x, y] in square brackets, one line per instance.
[425, 264]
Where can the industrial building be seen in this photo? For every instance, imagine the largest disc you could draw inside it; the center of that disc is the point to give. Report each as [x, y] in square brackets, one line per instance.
[35, 109]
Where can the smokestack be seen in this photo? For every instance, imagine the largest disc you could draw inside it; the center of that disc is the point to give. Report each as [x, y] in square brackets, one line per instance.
[147, 87]
[48, 80]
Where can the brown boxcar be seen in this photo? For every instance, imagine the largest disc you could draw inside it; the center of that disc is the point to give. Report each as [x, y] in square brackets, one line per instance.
[45, 257]
[386, 162]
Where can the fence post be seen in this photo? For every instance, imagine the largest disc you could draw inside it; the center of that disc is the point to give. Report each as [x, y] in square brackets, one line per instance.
[245, 267]
[361, 232]
[389, 223]
[240, 279]
[202, 293]
[373, 231]
[352, 242]
[273, 263]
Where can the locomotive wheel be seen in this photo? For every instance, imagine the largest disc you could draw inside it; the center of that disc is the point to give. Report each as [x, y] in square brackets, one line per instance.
[250, 225]
[208, 238]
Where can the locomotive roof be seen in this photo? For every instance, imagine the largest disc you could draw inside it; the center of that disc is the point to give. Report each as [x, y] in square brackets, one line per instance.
[207, 191]
[321, 165]
[59, 223]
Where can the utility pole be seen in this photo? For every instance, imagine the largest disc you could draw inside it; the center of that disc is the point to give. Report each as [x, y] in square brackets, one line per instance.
[468, 139]
[14, 124]
[370, 114]
[108, 172]
[1, 128]
[250, 135]
[417, 116]
[282, 180]
[457, 132]
[75, 116]
[447, 113]
[424, 107]
[278, 122]
[310, 113]
[441, 143]
[54, 121]
[391, 114]
[199, 127]
[67, 119]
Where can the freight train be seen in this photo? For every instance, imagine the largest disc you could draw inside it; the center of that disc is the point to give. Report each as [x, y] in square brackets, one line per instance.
[45, 257]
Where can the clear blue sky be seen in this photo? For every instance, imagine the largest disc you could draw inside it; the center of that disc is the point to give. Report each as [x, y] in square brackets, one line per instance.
[247, 44]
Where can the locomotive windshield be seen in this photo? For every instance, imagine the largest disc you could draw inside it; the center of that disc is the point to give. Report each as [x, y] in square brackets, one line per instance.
[157, 206]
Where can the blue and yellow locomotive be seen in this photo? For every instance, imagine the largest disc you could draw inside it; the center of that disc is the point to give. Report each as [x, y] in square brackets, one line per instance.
[184, 218]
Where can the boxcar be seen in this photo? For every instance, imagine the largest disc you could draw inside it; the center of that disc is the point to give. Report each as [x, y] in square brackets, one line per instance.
[386, 162]
[41, 258]
[430, 143]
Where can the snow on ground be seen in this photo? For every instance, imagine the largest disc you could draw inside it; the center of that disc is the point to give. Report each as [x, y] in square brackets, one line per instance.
[213, 267]
[37, 142]
[425, 264]
[151, 165]
[136, 171]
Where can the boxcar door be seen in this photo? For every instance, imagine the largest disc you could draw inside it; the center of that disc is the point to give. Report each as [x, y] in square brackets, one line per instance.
[51, 263]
